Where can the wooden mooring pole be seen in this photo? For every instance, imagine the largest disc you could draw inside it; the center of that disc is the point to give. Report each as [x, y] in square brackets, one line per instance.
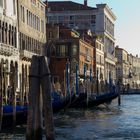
[1, 97]
[47, 103]
[119, 94]
[13, 95]
[39, 75]
[33, 119]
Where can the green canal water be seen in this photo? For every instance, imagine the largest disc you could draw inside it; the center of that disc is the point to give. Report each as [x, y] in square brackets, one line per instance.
[101, 123]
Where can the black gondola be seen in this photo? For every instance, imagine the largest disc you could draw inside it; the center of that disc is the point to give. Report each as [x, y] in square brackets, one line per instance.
[93, 100]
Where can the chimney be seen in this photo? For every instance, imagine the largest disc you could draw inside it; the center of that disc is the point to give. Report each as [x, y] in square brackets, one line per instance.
[85, 2]
[46, 2]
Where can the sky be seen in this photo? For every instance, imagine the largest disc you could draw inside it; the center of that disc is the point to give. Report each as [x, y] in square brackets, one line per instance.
[127, 26]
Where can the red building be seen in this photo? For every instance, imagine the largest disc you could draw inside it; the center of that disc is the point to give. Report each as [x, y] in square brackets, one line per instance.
[68, 46]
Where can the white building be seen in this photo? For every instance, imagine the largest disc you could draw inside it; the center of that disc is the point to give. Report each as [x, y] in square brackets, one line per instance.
[122, 66]
[100, 61]
[22, 34]
[9, 54]
[104, 27]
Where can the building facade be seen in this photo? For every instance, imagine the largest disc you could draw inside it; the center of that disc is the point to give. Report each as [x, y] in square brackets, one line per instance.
[9, 54]
[104, 27]
[69, 48]
[122, 66]
[135, 80]
[100, 61]
[99, 20]
[32, 37]
[127, 68]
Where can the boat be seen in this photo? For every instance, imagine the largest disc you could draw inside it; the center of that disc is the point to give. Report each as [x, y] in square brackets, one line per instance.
[59, 102]
[21, 115]
[131, 92]
[93, 100]
[77, 100]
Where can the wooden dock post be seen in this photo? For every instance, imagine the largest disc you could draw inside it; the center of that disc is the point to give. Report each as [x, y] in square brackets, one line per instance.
[119, 94]
[39, 75]
[119, 99]
[13, 95]
[1, 97]
[34, 114]
[47, 103]
[97, 82]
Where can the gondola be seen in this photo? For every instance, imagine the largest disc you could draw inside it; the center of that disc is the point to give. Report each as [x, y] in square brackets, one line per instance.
[58, 103]
[21, 115]
[93, 100]
[78, 99]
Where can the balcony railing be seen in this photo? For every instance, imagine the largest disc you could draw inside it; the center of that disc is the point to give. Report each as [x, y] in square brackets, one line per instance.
[88, 58]
[27, 54]
[8, 50]
[112, 57]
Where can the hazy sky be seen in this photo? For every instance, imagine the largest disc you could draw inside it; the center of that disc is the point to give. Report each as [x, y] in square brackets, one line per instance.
[127, 27]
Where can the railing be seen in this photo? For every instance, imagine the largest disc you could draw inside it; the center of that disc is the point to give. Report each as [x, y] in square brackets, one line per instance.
[27, 54]
[8, 50]
[112, 57]
[125, 61]
[88, 58]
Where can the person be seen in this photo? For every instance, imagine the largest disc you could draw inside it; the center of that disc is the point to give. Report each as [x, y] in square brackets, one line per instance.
[81, 87]
[102, 86]
[88, 86]
[128, 87]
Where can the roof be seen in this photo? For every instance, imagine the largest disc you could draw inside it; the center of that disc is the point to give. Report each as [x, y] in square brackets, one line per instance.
[67, 6]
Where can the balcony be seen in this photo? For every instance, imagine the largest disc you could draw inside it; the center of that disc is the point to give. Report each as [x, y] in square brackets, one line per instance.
[24, 54]
[88, 59]
[111, 57]
[88, 72]
[125, 61]
[8, 50]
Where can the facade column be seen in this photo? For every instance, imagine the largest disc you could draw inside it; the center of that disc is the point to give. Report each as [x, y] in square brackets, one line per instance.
[3, 32]
[7, 34]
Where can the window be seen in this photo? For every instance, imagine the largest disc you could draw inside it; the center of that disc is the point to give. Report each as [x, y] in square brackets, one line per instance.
[22, 13]
[93, 17]
[33, 2]
[42, 8]
[71, 17]
[50, 34]
[62, 50]
[74, 50]
[14, 7]
[71, 24]
[87, 53]
[27, 17]
[31, 20]
[5, 4]
[1, 3]
[38, 24]
[42, 26]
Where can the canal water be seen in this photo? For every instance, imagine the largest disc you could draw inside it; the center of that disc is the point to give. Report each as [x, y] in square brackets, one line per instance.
[109, 122]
